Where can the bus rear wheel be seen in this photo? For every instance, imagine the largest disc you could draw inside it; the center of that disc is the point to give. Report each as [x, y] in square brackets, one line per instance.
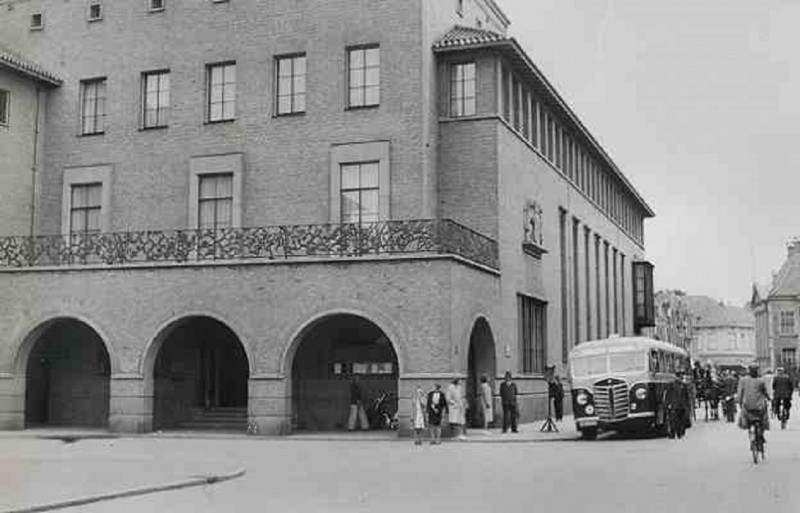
[589, 433]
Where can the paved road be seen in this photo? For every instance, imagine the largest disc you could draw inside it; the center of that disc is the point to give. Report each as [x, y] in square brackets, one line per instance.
[708, 471]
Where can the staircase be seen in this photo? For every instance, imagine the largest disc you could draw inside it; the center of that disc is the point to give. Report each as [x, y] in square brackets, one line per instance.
[232, 419]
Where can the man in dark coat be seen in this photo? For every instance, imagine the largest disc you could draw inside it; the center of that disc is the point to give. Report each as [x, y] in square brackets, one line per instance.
[782, 388]
[436, 406]
[556, 393]
[677, 403]
[508, 398]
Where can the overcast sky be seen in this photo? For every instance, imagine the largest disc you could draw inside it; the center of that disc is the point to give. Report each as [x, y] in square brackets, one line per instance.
[698, 103]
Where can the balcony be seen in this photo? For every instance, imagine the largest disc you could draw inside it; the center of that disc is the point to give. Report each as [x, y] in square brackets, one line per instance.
[269, 243]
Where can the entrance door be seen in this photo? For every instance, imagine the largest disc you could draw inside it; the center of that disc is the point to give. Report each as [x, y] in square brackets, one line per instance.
[481, 362]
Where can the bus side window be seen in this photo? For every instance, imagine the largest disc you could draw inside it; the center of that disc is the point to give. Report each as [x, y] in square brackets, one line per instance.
[670, 362]
[662, 362]
[653, 360]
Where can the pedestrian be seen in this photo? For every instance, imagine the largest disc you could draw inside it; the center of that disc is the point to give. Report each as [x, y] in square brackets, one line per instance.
[508, 399]
[436, 406]
[677, 400]
[782, 387]
[556, 394]
[357, 412]
[487, 402]
[456, 408]
[418, 406]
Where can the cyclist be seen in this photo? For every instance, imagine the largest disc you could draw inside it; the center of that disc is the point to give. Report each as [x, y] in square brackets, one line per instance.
[753, 399]
[782, 388]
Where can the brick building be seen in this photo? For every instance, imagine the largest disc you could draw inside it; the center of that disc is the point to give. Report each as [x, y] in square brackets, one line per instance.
[240, 205]
[673, 320]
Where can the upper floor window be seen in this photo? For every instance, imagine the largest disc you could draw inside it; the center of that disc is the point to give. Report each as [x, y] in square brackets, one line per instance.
[155, 99]
[787, 323]
[221, 92]
[93, 106]
[291, 84]
[85, 209]
[462, 89]
[37, 21]
[215, 209]
[360, 192]
[156, 5]
[364, 66]
[532, 334]
[95, 11]
[5, 104]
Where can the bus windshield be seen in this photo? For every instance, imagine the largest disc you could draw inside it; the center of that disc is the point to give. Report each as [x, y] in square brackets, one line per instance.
[591, 365]
[627, 362]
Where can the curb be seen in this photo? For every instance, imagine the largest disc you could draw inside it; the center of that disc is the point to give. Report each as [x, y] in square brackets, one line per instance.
[196, 481]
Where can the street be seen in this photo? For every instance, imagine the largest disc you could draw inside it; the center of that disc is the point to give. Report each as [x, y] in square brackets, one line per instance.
[710, 470]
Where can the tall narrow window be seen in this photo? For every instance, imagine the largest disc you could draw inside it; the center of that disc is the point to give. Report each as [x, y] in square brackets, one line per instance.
[462, 89]
[532, 334]
[364, 77]
[360, 192]
[562, 236]
[291, 84]
[93, 106]
[155, 99]
[215, 208]
[607, 288]
[5, 107]
[787, 323]
[587, 267]
[516, 91]
[221, 92]
[597, 290]
[624, 301]
[616, 291]
[526, 114]
[85, 209]
[534, 122]
[505, 92]
[576, 281]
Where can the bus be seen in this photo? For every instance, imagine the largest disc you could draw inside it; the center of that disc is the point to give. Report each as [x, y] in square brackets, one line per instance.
[618, 383]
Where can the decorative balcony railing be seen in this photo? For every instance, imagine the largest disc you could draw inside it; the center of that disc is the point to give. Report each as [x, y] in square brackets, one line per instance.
[430, 236]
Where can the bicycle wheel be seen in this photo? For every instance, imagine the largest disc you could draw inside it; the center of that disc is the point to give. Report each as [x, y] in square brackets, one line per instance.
[754, 450]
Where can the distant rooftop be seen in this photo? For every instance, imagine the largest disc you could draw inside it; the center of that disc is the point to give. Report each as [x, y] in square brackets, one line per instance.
[710, 313]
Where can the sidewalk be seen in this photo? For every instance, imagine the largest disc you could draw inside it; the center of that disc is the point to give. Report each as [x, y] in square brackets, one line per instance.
[529, 432]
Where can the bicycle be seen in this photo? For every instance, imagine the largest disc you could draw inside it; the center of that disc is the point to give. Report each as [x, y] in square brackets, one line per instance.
[756, 432]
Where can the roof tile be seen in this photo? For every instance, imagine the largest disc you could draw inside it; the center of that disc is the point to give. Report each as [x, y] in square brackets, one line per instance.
[33, 70]
[460, 36]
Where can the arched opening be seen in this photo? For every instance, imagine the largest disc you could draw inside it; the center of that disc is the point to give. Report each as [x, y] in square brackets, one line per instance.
[200, 378]
[481, 362]
[67, 377]
[329, 356]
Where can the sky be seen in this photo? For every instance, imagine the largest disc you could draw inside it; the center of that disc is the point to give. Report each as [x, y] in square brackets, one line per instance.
[698, 103]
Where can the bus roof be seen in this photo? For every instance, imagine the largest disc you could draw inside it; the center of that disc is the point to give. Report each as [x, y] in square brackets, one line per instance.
[622, 344]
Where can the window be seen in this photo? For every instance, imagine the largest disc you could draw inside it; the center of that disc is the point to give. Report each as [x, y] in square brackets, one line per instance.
[95, 11]
[93, 106]
[155, 5]
[215, 204]
[359, 192]
[789, 357]
[221, 92]
[291, 84]
[85, 209]
[5, 104]
[37, 21]
[787, 323]
[364, 65]
[532, 334]
[155, 99]
[462, 89]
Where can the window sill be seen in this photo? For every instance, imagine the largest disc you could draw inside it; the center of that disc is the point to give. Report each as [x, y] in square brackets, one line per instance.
[363, 107]
[150, 128]
[93, 20]
[154, 11]
[91, 134]
[290, 114]
[219, 121]
[534, 250]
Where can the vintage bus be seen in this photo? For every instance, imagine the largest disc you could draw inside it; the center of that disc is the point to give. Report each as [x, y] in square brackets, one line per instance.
[618, 383]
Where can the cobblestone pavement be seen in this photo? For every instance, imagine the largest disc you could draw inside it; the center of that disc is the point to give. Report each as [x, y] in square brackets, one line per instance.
[710, 470]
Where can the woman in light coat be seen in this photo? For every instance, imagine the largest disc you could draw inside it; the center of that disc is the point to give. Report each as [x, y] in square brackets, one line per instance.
[487, 402]
[418, 405]
[456, 406]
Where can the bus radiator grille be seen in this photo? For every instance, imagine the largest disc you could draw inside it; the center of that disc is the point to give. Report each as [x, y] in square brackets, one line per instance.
[611, 400]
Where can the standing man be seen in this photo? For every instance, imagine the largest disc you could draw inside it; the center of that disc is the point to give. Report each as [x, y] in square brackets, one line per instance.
[436, 406]
[556, 393]
[782, 388]
[508, 397]
[357, 411]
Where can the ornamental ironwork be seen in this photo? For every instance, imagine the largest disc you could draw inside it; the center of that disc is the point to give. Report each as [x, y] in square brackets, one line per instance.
[428, 236]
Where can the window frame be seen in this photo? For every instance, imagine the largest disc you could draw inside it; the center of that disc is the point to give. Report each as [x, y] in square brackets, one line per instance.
[292, 94]
[98, 117]
[361, 152]
[99, 17]
[364, 87]
[5, 108]
[86, 209]
[376, 189]
[39, 15]
[215, 165]
[150, 7]
[216, 201]
[457, 83]
[143, 105]
[786, 322]
[533, 350]
[82, 176]
[209, 77]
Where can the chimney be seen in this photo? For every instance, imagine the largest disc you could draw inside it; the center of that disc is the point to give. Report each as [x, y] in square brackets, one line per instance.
[793, 247]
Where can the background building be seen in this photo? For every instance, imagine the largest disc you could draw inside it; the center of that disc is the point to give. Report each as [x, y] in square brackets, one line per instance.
[241, 205]
[723, 335]
[673, 320]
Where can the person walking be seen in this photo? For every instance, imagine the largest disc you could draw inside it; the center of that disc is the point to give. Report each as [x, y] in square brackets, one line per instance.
[508, 399]
[436, 406]
[556, 393]
[456, 408]
[419, 404]
[487, 402]
[782, 388]
[357, 412]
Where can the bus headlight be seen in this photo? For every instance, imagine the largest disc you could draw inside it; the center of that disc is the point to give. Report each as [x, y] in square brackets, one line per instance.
[589, 409]
[582, 398]
[641, 394]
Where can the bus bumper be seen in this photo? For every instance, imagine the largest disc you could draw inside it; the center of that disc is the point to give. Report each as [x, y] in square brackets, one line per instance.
[586, 422]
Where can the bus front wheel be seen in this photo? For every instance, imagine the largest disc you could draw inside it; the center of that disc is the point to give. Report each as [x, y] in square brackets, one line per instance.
[589, 433]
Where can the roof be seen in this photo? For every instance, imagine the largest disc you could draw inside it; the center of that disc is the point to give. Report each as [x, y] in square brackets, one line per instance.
[710, 313]
[787, 281]
[32, 70]
[461, 38]
[602, 345]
